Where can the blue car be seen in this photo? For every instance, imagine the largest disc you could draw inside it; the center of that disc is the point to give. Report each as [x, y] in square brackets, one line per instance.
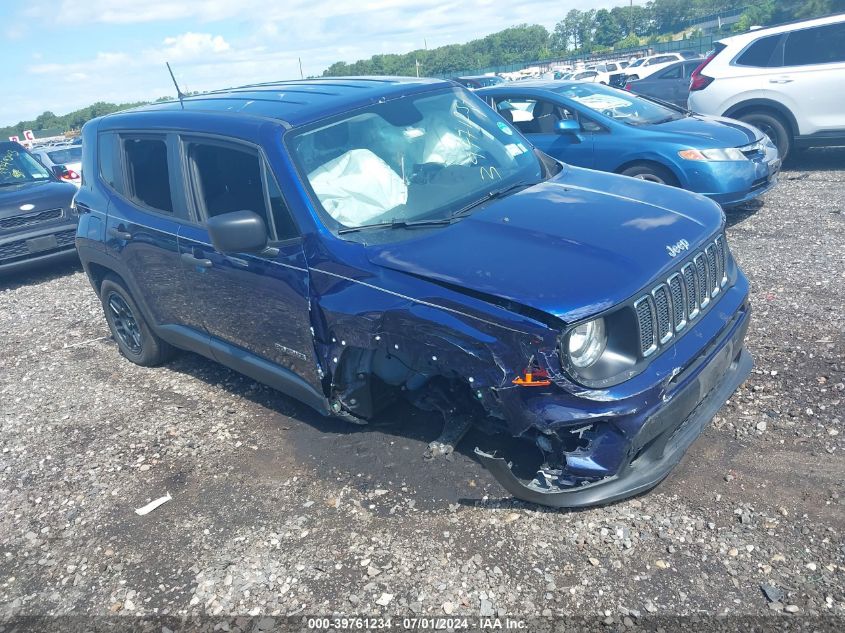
[356, 241]
[595, 126]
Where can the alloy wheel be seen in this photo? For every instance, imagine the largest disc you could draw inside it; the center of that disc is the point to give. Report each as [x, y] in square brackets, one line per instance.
[125, 325]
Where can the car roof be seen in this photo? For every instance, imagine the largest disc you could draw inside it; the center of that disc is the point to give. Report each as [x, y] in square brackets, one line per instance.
[475, 76]
[743, 38]
[296, 102]
[536, 85]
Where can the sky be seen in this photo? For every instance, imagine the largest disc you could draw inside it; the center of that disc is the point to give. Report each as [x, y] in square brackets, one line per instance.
[61, 55]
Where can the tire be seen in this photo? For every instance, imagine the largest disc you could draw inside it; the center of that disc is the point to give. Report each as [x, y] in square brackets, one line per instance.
[772, 126]
[129, 328]
[651, 173]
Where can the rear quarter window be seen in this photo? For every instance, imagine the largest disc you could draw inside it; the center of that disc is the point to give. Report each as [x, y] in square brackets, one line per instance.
[107, 161]
[761, 54]
[64, 156]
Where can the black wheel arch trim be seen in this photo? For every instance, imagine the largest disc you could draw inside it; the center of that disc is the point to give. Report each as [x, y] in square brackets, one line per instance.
[649, 162]
[765, 104]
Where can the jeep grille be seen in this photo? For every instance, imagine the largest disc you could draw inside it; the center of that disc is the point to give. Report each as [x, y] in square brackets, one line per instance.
[682, 297]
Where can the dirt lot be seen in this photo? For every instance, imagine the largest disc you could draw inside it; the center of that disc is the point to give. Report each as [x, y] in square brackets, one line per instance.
[277, 511]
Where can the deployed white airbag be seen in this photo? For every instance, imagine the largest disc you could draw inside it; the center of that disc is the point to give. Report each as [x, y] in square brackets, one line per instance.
[357, 186]
[447, 148]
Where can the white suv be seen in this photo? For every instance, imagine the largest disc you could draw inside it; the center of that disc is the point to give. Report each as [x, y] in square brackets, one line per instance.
[788, 80]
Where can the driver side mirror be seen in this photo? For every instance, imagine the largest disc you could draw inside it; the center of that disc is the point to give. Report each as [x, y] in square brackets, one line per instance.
[568, 126]
[238, 232]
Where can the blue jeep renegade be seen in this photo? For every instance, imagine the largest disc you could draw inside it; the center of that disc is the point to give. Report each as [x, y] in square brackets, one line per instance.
[353, 241]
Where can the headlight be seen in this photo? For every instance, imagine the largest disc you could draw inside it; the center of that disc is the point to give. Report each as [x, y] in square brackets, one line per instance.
[727, 154]
[586, 343]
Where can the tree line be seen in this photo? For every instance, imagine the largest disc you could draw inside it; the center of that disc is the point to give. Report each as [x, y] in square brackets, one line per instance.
[579, 32]
[584, 32]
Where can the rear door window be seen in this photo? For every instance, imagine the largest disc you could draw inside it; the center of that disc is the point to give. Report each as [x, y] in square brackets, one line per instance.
[672, 73]
[147, 173]
[818, 45]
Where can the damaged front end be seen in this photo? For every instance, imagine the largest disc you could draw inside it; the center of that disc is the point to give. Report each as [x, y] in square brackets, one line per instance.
[608, 432]
[610, 450]
[597, 444]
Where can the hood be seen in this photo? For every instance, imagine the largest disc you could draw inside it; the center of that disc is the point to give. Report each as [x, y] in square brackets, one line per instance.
[566, 247]
[712, 131]
[42, 196]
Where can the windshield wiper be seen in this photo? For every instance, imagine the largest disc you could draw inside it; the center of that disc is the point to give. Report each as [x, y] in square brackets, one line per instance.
[498, 193]
[395, 224]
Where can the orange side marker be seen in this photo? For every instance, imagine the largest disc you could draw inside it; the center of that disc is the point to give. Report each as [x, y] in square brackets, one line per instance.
[534, 377]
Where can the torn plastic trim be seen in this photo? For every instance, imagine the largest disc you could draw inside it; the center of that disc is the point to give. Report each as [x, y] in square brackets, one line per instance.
[650, 463]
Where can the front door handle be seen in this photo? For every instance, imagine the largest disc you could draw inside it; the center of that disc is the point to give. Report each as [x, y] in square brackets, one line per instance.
[782, 80]
[120, 233]
[188, 258]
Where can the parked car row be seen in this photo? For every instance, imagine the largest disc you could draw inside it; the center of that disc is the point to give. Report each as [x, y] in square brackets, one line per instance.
[787, 80]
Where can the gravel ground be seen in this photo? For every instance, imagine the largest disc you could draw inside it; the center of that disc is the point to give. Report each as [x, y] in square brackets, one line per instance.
[276, 511]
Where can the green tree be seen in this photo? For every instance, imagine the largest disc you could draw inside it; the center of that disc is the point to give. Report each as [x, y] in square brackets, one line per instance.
[607, 29]
[631, 41]
[633, 19]
[760, 13]
[572, 26]
[586, 25]
[670, 16]
[559, 41]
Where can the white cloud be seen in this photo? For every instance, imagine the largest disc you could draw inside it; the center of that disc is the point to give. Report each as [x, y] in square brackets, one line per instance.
[132, 11]
[193, 45]
[102, 62]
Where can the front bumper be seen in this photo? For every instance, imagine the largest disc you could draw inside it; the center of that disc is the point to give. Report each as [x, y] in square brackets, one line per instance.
[36, 245]
[669, 427]
[734, 183]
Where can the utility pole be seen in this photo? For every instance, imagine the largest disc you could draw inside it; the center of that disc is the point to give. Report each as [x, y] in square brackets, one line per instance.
[417, 64]
[301, 74]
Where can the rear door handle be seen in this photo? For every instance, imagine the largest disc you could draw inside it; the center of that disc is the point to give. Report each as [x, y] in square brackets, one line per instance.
[189, 259]
[120, 233]
[782, 80]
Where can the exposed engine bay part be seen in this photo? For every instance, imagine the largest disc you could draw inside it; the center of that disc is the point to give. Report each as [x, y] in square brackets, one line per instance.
[457, 420]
